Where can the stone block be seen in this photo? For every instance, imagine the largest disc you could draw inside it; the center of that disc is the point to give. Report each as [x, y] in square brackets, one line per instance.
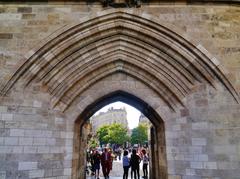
[1, 140]
[55, 149]
[67, 171]
[69, 142]
[199, 125]
[4, 149]
[182, 120]
[36, 173]
[4, 132]
[195, 150]
[2, 123]
[50, 141]
[37, 104]
[48, 173]
[6, 36]
[59, 120]
[25, 141]
[67, 163]
[17, 149]
[30, 149]
[176, 127]
[199, 141]
[11, 140]
[201, 102]
[7, 117]
[200, 157]
[67, 135]
[34, 133]
[3, 109]
[28, 16]
[225, 149]
[210, 165]
[58, 172]
[24, 9]
[39, 141]
[27, 165]
[17, 132]
[184, 112]
[196, 165]
[190, 172]
[47, 133]
[43, 149]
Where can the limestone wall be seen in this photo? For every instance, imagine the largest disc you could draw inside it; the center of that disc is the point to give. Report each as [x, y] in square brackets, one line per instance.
[202, 138]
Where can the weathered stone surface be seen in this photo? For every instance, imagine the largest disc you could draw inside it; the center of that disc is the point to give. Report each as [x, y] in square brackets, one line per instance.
[38, 136]
[27, 165]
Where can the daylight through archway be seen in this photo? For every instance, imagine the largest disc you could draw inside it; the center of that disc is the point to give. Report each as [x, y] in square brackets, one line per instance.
[121, 129]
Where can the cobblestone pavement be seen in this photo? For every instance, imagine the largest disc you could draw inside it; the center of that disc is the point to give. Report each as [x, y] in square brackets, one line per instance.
[116, 172]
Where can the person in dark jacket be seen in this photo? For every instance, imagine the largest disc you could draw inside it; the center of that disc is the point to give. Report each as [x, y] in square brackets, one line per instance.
[97, 160]
[134, 163]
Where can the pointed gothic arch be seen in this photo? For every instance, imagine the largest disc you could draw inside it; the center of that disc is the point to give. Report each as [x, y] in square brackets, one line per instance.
[75, 57]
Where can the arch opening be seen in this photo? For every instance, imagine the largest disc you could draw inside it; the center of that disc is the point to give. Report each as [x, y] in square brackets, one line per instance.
[158, 157]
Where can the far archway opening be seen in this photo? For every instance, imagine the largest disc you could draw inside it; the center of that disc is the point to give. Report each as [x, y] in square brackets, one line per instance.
[155, 143]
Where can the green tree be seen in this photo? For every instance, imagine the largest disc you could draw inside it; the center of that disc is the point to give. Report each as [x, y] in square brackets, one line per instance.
[113, 134]
[117, 134]
[102, 134]
[139, 134]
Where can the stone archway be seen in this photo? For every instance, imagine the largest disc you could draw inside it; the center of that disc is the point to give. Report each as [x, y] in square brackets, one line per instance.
[158, 157]
[132, 52]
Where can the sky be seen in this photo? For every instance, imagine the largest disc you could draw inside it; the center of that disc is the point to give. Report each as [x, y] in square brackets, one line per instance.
[132, 113]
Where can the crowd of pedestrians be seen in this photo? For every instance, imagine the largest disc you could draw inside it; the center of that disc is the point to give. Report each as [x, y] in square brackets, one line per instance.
[131, 162]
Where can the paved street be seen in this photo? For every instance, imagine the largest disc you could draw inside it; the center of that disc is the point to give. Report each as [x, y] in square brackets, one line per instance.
[116, 172]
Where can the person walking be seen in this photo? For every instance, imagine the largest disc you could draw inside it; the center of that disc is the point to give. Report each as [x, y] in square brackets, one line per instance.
[145, 163]
[106, 161]
[92, 161]
[126, 164]
[97, 160]
[134, 162]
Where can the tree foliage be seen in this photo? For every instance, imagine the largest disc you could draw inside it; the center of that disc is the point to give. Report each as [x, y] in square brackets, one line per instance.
[102, 134]
[139, 134]
[113, 134]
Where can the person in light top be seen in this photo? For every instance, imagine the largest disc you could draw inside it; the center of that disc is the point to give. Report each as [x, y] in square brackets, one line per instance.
[126, 164]
[145, 159]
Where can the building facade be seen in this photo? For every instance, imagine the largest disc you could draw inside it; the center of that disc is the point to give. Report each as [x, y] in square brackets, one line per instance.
[176, 61]
[111, 116]
[144, 120]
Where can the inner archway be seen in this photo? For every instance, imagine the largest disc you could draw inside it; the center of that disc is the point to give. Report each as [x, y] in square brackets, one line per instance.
[158, 157]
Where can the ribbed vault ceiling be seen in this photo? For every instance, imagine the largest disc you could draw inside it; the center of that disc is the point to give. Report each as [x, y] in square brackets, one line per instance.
[83, 54]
